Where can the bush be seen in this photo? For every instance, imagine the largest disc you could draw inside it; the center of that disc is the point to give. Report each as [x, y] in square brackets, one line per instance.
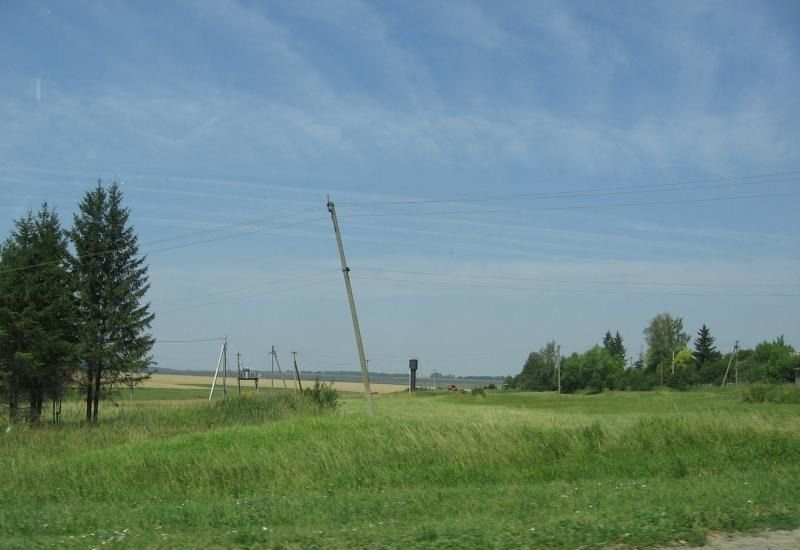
[323, 395]
[248, 408]
[637, 379]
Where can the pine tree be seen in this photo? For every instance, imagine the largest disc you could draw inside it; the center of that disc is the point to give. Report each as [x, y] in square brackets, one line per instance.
[704, 349]
[37, 313]
[111, 284]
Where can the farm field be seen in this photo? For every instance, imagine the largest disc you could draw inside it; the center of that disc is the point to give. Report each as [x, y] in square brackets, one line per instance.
[188, 381]
[509, 470]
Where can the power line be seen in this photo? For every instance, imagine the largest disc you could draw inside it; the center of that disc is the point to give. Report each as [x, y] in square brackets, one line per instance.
[581, 291]
[241, 297]
[159, 341]
[570, 281]
[250, 287]
[570, 207]
[626, 189]
[183, 245]
[226, 227]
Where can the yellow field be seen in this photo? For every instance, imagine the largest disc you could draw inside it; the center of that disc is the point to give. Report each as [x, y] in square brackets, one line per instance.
[189, 382]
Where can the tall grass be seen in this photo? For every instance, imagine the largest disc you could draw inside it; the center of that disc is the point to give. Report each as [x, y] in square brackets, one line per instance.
[445, 471]
[771, 393]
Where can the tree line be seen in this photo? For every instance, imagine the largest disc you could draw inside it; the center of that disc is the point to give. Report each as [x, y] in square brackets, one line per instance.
[71, 307]
[668, 361]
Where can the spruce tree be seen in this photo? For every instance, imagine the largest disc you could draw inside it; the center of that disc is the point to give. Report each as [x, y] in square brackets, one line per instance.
[704, 349]
[619, 346]
[614, 344]
[111, 285]
[37, 313]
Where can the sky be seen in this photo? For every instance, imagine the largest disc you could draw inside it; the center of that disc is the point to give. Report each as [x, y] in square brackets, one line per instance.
[505, 174]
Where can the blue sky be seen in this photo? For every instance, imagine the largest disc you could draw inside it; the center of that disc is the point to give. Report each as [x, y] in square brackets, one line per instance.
[220, 113]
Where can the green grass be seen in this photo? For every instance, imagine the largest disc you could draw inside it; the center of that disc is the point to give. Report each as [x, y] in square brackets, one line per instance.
[507, 470]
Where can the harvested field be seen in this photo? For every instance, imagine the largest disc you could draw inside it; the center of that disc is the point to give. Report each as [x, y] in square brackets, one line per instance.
[187, 381]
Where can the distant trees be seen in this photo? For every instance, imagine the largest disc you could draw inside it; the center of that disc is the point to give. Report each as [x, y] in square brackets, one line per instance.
[538, 372]
[773, 361]
[68, 319]
[37, 314]
[665, 338]
[614, 345]
[668, 362]
[111, 282]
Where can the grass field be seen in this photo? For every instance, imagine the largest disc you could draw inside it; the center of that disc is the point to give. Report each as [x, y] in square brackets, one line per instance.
[511, 470]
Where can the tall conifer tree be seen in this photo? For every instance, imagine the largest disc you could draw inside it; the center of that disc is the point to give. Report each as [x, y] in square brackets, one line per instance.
[704, 348]
[111, 285]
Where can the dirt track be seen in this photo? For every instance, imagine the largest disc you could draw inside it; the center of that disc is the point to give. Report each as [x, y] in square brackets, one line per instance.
[773, 540]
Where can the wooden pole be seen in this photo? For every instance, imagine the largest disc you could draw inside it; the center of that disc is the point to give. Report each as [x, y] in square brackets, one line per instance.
[356, 328]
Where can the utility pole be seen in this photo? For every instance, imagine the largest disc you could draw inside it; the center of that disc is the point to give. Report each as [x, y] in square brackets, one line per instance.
[275, 359]
[558, 366]
[296, 372]
[239, 371]
[225, 370]
[733, 356]
[356, 328]
[222, 363]
[272, 374]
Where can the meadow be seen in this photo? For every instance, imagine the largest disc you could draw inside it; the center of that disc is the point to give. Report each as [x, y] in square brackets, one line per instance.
[508, 470]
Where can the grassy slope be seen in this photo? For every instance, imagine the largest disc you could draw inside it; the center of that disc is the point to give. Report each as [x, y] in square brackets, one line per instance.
[507, 471]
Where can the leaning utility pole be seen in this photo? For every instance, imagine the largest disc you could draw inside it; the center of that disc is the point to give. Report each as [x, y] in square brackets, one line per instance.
[353, 314]
[275, 359]
[733, 357]
[221, 363]
[296, 372]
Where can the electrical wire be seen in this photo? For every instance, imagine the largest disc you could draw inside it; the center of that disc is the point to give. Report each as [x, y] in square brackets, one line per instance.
[625, 189]
[569, 207]
[197, 340]
[579, 291]
[182, 245]
[240, 298]
[570, 281]
[250, 287]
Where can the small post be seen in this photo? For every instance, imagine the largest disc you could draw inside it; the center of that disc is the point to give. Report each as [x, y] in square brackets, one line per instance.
[353, 314]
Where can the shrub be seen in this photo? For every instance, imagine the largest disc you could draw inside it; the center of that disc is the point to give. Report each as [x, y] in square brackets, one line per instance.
[323, 395]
